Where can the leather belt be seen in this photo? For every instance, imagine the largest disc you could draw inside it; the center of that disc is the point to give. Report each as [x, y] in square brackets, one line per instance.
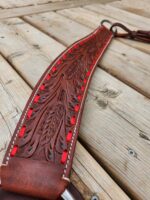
[39, 158]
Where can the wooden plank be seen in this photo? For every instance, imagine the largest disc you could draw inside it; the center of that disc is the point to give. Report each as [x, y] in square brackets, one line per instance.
[21, 3]
[17, 12]
[21, 42]
[124, 16]
[115, 125]
[12, 85]
[129, 64]
[100, 12]
[138, 7]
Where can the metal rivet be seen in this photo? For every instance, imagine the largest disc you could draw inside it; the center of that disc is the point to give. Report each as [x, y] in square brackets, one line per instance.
[132, 152]
[94, 197]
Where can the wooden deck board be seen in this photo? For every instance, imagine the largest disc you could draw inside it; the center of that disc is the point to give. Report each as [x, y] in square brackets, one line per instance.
[138, 7]
[115, 124]
[28, 10]
[21, 3]
[12, 85]
[107, 100]
[132, 19]
[96, 13]
[27, 49]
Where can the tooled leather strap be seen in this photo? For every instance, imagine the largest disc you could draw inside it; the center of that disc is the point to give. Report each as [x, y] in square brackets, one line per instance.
[39, 158]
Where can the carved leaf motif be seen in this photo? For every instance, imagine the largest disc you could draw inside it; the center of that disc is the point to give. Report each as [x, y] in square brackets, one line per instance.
[45, 137]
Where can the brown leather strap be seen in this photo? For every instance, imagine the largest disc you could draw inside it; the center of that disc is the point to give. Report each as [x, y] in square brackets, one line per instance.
[4, 195]
[139, 35]
[39, 157]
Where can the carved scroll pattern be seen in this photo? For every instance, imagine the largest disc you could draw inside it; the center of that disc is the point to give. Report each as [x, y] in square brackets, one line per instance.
[46, 129]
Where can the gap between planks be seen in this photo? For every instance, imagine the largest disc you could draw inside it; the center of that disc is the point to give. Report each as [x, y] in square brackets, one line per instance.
[123, 113]
[138, 7]
[17, 12]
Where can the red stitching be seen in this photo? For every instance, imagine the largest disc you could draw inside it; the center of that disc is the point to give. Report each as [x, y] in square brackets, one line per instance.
[84, 81]
[88, 73]
[79, 97]
[22, 131]
[42, 87]
[82, 88]
[69, 136]
[73, 120]
[64, 156]
[14, 151]
[76, 108]
[37, 97]
[65, 56]
[54, 69]
[48, 77]
[29, 113]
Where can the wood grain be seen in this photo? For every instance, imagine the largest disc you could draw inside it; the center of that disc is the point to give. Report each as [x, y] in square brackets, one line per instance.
[21, 11]
[135, 6]
[21, 3]
[115, 125]
[14, 87]
[119, 14]
[129, 64]
[94, 14]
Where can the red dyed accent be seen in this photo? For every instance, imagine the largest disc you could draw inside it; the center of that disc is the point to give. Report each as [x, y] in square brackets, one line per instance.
[79, 97]
[76, 108]
[88, 73]
[54, 69]
[29, 113]
[73, 120]
[36, 99]
[84, 81]
[70, 50]
[64, 156]
[91, 67]
[69, 136]
[22, 131]
[14, 151]
[64, 56]
[82, 88]
[42, 87]
[59, 62]
[76, 46]
[48, 77]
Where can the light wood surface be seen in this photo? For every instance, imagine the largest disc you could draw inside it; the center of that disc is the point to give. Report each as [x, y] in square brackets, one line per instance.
[115, 124]
[32, 9]
[21, 3]
[92, 16]
[141, 8]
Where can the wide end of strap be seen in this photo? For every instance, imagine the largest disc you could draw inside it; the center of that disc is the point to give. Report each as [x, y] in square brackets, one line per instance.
[33, 178]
